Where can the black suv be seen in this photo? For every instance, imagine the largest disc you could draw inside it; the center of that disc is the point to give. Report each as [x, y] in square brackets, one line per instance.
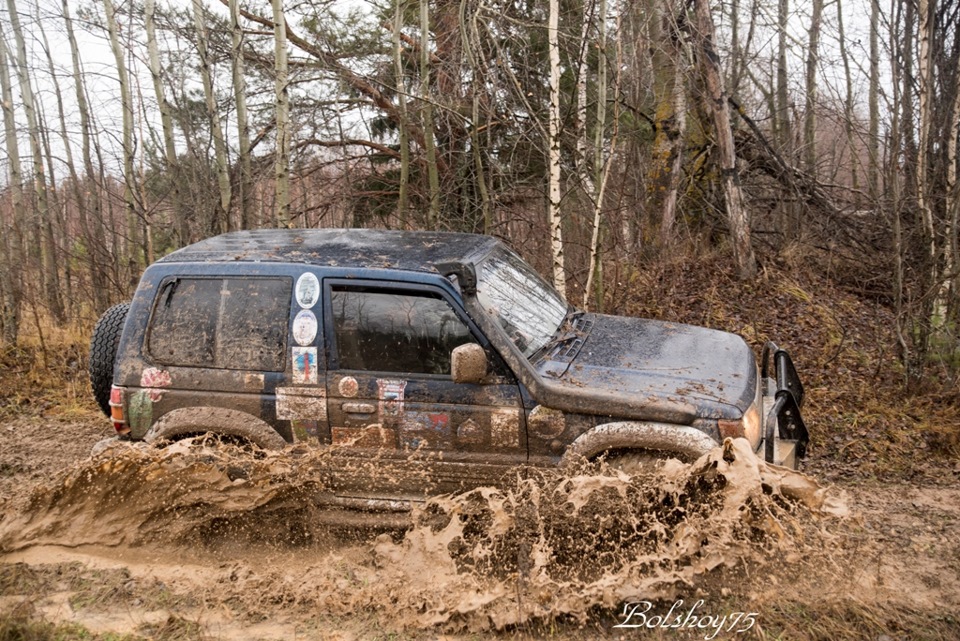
[431, 352]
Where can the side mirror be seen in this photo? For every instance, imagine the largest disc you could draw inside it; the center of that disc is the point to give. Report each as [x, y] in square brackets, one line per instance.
[468, 364]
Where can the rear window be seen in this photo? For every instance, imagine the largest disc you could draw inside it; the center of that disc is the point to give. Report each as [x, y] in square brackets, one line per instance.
[225, 323]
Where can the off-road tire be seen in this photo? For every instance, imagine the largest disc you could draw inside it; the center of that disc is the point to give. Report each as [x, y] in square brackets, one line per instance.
[103, 352]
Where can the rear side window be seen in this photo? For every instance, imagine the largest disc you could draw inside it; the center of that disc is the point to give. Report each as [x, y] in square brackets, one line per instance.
[225, 323]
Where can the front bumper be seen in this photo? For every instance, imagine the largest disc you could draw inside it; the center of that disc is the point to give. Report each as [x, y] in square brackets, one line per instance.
[785, 435]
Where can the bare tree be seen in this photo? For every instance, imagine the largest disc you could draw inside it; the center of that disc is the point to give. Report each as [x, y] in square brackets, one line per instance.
[51, 275]
[810, 93]
[282, 160]
[245, 182]
[553, 153]
[11, 267]
[717, 103]
[129, 148]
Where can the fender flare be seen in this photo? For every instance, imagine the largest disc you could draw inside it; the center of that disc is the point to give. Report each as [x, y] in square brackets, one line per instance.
[686, 442]
[217, 420]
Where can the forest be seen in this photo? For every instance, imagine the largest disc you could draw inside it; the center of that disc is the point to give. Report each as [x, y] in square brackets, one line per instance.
[592, 135]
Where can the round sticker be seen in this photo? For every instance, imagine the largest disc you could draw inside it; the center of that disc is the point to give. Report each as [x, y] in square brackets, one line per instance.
[349, 386]
[305, 327]
[308, 290]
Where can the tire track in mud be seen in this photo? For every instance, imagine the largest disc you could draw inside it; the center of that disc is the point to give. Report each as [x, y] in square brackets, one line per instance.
[548, 545]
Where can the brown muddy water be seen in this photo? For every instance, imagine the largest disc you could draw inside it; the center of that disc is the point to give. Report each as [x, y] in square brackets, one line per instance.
[548, 546]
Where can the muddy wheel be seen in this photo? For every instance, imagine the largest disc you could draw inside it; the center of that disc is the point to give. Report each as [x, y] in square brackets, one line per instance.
[103, 352]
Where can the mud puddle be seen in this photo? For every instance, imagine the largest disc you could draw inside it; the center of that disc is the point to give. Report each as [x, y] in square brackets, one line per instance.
[232, 533]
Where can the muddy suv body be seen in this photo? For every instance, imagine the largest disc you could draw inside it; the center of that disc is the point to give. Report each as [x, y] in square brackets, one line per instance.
[443, 358]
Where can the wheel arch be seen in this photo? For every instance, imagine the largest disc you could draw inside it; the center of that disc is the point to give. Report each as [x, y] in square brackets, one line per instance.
[217, 420]
[680, 440]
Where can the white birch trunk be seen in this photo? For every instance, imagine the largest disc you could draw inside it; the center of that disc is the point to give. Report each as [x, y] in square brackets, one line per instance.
[282, 156]
[245, 184]
[10, 270]
[51, 276]
[433, 175]
[553, 154]
[133, 260]
[213, 117]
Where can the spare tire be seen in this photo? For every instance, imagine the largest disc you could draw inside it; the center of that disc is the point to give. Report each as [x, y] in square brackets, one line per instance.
[103, 352]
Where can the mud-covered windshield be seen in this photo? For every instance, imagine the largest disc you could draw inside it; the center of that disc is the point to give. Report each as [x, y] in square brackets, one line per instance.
[528, 309]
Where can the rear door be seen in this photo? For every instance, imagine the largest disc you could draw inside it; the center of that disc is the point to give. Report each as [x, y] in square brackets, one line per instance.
[392, 404]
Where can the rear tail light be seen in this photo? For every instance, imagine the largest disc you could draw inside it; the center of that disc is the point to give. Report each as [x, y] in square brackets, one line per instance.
[116, 411]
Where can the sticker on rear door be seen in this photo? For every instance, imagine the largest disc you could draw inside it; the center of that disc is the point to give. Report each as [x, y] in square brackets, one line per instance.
[304, 327]
[304, 365]
[308, 290]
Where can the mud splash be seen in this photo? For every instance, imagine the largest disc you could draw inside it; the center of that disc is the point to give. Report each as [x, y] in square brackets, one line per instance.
[546, 545]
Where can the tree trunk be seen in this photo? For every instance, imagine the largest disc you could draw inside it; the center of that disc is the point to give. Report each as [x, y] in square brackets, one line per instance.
[11, 268]
[213, 118]
[94, 229]
[181, 224]
[784, 134]
[553, 153]
[129, 199]
[433, 176]
[403, 141]
[281, 207]
[848, 115]
[737, 215]
[873, 139]
[51, 275]
[245, 183]
[669, 118]
[810, 103]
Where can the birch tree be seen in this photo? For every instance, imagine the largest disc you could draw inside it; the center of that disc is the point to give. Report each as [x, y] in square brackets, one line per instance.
[403, 139]
[94, 232]
[51, 275]
[873, 100]
[245, 184]
[433, 175]
[10, 269]
[281, 207]
[810, 93]
[553, 153]
[126, 101]
[181, 224]
[213, 117]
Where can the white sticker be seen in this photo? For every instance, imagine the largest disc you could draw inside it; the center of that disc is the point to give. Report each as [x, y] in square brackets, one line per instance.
[307, 290]
[304, 327]
[305, 365]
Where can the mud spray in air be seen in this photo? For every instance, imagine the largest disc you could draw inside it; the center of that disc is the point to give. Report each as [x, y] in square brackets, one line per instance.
[547, 545]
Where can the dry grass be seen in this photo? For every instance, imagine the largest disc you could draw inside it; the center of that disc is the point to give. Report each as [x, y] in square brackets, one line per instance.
[46, 372]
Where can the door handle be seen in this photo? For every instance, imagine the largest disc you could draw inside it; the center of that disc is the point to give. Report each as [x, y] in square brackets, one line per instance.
[358, 408]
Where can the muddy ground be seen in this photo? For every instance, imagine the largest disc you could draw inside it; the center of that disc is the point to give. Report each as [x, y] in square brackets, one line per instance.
[182, 558]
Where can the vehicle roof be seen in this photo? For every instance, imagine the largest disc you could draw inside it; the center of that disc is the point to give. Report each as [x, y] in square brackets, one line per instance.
[372, 248]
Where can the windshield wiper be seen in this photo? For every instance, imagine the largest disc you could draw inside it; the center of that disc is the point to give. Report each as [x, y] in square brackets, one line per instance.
[568, 333]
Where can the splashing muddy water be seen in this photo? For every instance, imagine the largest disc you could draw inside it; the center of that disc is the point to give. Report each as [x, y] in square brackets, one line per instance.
[547, 544]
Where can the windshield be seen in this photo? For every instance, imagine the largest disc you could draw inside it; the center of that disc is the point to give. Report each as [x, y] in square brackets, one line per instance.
[527, 308]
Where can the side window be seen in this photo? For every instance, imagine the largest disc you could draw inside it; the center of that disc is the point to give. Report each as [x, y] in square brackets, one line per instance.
[389, 332]
[232, 323]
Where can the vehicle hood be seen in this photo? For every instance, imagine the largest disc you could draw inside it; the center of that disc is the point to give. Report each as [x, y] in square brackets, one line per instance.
[653, 364]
